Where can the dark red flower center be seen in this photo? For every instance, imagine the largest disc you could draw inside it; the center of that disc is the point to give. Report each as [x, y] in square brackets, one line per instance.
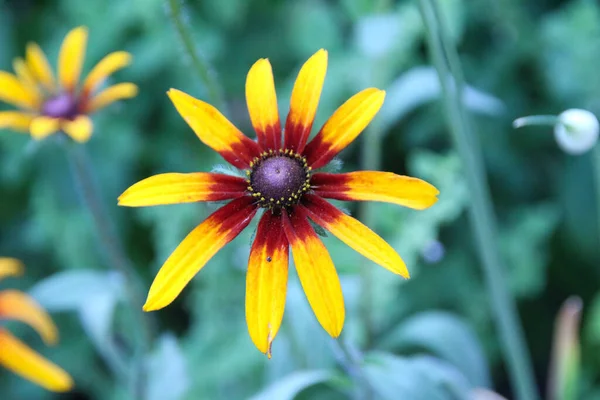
[278, 178]
[63, 105]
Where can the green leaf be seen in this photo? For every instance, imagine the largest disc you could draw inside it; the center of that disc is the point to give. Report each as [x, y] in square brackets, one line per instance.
[415, 378]
[168, 376]
[290, 386]
[446, 336]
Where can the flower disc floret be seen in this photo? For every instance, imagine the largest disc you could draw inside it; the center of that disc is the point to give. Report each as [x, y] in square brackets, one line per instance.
[63, 106]
[278, 179]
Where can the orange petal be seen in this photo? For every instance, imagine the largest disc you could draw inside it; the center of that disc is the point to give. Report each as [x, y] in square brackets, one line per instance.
[16, 93]
[214, 130]
[107, 66]
[315, 269]
[262, 104]
[39, 66]
[196, 249]
[266, 282]
[10, 267]
[376, 186]
[18, 306]
[23, 361]
[120, 91]
[305, 100]
[16, 120]
[41, 127]
[71, 56]
[80, 129]
[344, 126]
[173, 188]
[354, 234]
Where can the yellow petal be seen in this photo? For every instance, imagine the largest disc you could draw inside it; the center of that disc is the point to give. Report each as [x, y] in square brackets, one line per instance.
[317, 274]
[196, 249]
[305, 100]
[111, 94]
[80, 129]
[10, 267]
[23, 361]
[262, 104]
[71, 56]
[15, 120]
[25, 76]
[376, 186]
[39, 66]
[354, 234]
[266, 282]
[18, 306]
[42, 127]
[14, 92]
[214, 130]
[173, 188]
[107, 66]
[344, 126]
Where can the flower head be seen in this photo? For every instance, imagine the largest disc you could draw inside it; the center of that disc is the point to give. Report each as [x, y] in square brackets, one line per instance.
[576, 131]
[282, 182]
[14, 354]
[47, 105]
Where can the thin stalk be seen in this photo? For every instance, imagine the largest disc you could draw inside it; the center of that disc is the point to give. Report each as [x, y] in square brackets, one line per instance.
[547, 120]
[200, 65]
[447, 64]
[85, 181]
[351, 361]
[370, 161]
[596, 162]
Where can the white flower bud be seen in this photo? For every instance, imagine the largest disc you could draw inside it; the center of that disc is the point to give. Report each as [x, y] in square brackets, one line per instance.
[576, 131]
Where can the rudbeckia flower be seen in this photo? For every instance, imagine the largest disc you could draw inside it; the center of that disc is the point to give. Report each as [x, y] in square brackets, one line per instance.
[14, 354]
[47, 106]
[281, 181]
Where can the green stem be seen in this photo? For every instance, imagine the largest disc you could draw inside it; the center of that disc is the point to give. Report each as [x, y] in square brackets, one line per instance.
[445, 59]
[596, 162]
[370, 161]
[202, 68]
[547, 120]
[85, 181]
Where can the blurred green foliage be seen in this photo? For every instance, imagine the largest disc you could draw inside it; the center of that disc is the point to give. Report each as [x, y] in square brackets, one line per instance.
[434, 334]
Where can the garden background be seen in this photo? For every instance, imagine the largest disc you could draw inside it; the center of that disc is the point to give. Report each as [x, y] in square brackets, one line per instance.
[430, 337]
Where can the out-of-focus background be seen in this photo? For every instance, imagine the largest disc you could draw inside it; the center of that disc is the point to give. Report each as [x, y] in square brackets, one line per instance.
[430, 336]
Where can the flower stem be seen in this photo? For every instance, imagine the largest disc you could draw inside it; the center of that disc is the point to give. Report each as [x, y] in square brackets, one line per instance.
[596, 165]
[445, 59]
[548, 120]
[370, 161]
[202, 68]
[85, 181]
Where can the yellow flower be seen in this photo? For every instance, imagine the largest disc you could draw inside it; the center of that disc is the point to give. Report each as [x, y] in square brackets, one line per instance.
[14, 354]
[283, 181]
[47, 106]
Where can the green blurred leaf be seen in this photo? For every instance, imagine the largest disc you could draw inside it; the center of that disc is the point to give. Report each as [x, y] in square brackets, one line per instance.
[290, 386]
[445, 336]
[415, 378]
[71, 290]
[168, 376]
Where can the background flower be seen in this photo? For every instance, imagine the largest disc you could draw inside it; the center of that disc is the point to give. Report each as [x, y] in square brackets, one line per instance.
[16, 355]
[49, 105]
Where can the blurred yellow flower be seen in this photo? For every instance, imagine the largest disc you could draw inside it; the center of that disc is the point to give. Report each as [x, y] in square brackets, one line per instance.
[14, 354]
[47, 106]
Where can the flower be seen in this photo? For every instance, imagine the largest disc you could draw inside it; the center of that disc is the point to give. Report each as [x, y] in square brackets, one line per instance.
[14, 354]
[576, 131]
[280, 180]
[47, 106]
